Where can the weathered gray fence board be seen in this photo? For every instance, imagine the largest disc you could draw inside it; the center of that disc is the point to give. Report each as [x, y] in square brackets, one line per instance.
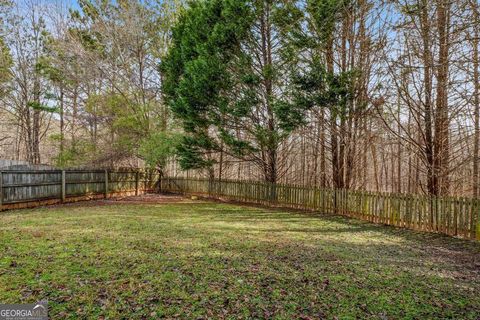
[22, 186]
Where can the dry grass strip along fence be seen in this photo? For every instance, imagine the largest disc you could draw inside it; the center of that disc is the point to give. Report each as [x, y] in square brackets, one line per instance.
[29, 188]
[454, 216]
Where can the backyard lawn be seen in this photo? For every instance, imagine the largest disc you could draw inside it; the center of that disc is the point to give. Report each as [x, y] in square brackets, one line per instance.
[198, 260]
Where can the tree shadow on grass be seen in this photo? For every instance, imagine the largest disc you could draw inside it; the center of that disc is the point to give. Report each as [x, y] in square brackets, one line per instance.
[318, 223]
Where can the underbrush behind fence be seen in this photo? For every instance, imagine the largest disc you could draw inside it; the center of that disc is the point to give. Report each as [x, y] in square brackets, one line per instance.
[455, 216]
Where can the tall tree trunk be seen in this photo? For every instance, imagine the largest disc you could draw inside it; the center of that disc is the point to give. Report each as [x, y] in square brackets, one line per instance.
[270, 169]
[427, 79]
[323, 162]
[399, 154]
[442, 140]
[36, 123]
[476, 97]
[62, 121]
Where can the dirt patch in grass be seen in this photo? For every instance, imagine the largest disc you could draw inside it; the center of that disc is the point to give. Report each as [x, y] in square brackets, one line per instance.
[177, 258]
[142, 199]
[152, 198]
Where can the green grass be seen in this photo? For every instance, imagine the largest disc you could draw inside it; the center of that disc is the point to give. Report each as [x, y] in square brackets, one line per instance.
[210, 260]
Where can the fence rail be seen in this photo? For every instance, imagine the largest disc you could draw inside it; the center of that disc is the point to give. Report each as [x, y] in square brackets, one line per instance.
[20, 188]
[455, 216]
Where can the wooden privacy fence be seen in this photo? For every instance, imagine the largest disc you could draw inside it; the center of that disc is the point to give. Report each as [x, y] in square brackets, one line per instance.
[454, 216]
[26, 188]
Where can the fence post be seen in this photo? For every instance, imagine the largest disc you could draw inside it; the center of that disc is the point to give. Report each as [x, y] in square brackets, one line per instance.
[64, 191]
[106, 183]
[1, 190]
[136, 183]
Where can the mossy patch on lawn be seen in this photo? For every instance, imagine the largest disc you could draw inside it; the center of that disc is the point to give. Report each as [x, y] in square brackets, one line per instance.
[211, 260]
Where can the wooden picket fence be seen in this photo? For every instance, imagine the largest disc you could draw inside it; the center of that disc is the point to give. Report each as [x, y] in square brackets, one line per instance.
[455, 216]
[27, 188]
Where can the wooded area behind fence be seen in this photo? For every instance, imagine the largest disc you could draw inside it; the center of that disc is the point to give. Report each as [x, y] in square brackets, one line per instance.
[24, 188]
[453, 216]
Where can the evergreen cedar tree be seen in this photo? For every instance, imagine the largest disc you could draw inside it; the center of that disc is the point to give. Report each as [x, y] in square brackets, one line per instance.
[213, 85]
